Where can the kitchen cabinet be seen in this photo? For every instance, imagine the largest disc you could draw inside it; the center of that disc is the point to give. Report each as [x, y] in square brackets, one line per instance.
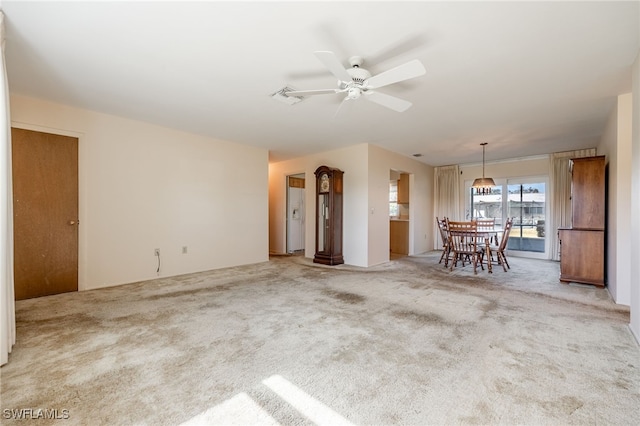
[399, 236]
[403, 189]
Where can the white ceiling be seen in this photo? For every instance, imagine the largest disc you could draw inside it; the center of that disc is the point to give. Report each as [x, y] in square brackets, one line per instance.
[527, 77]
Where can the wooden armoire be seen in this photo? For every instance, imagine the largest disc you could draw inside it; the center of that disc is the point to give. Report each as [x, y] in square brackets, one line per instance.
[582, 246]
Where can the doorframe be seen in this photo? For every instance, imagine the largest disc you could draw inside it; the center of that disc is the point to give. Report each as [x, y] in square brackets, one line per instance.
[82, 243]
[547, 211]
[286, 211]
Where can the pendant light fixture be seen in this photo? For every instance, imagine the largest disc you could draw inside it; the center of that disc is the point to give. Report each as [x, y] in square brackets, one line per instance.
[483, 185]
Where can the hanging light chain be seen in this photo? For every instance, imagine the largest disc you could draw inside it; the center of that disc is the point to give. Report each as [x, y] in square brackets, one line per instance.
[483, 186]
[483, 145]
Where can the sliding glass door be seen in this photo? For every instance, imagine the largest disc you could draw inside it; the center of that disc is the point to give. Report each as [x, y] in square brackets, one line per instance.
[524, 200]
[527, 207]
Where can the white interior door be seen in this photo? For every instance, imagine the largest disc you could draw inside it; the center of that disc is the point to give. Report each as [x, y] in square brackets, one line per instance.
[295, 216]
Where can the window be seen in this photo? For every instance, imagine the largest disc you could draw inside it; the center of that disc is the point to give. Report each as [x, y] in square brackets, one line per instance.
[393, 199]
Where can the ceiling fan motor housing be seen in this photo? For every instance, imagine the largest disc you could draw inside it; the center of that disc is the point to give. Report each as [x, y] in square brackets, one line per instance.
[359, 75]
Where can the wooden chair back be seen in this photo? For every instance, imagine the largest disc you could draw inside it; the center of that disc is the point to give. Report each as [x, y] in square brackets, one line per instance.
[464, 243]
[442, 227]
[444, 235]
[463, 236]
[499, 251]
[505, 235]
[462, 226]
[486, 224]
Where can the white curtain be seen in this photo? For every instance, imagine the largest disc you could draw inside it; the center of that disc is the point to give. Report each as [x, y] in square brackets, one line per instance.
[7, 300]
[560, 186]
[446, 195]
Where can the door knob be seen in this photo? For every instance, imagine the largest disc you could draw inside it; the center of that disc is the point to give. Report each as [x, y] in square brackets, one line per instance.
[74, 222]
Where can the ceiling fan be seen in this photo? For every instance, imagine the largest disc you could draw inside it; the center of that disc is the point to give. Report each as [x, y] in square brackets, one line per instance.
[357, 82]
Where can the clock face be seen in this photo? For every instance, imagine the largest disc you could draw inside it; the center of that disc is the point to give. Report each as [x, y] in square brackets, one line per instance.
[324, 183]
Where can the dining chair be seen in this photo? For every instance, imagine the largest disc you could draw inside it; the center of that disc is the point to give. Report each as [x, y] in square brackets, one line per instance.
[444, 235]
[500, 249]
[465, 244]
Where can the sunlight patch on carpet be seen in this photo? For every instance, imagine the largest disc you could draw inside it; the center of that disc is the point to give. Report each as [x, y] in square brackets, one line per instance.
[238, 410]
[307, 405]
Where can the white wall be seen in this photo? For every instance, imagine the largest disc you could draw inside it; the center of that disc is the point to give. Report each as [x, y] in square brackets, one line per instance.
[616, 146]
[609, 147]
[635, 204]
[366, 186]
[143, 186]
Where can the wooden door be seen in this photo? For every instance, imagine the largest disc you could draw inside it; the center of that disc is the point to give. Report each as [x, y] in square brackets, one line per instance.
[588, 189]
[45, 213]
[582, 256]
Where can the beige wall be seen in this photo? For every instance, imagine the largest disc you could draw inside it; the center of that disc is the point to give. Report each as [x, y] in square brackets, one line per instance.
[366, 187]
[421, 219]
[144, 186]
[616, 146]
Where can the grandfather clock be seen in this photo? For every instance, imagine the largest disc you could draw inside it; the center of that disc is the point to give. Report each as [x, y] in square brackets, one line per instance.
[328, 216]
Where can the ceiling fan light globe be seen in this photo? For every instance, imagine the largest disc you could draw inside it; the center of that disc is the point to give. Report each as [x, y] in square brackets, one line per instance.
[354, 93]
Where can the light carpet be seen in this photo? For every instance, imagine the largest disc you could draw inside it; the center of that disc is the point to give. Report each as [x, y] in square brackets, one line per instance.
[294, 343]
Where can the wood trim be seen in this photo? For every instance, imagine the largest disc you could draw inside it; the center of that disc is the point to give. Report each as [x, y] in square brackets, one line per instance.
[295, 182]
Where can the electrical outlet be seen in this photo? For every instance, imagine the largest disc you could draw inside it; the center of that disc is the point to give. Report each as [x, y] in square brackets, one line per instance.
[157, 252]
[184, 249]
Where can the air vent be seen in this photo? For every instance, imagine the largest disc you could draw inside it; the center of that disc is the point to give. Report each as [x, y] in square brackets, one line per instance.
[281, 95]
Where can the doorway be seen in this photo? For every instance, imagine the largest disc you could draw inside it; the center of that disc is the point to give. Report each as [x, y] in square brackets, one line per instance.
[295, 214]
[399, 195]
[45, 213]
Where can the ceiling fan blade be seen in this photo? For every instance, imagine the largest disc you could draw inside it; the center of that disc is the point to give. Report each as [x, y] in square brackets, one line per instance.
[311, 92]
[388, 101]
[400, 73]
[330, 60]
[344, 101]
